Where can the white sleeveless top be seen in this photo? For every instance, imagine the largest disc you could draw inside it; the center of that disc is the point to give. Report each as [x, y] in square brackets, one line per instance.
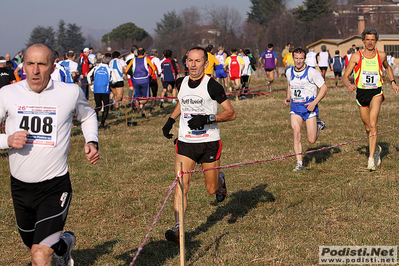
[197, 101]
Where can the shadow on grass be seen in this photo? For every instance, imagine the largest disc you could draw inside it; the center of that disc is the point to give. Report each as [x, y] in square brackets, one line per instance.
[90, 256]
[319, 156]
[166, 110]
[364, 150]
[238, 205]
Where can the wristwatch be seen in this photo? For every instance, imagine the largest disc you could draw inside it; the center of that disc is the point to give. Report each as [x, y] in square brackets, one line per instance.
[95, 144]
[212, 119]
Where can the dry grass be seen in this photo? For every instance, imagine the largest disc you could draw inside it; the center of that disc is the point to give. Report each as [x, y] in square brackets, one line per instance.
[271, 216]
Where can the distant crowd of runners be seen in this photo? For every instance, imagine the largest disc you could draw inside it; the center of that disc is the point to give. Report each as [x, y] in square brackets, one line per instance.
[39, 96]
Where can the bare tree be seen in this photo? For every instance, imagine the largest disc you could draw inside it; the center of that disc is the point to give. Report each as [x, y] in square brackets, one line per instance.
[179, 32]
[253, 36]
[191, 31]
[228, 21]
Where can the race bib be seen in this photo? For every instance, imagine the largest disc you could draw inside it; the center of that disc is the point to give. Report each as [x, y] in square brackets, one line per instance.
[296, 95]
[370, 79]
[40, 122]
[196, 133]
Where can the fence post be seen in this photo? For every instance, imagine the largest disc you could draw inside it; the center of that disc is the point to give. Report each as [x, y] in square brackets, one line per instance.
[181, 217]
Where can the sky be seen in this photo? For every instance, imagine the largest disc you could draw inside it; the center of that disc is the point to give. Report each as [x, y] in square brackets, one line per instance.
[21, 17]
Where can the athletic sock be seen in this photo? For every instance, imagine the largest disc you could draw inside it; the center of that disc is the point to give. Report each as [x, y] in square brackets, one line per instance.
[60, 247]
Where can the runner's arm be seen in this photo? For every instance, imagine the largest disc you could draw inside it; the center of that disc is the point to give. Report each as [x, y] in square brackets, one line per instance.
[89, 75]
[228, 113]
[17, 140]
[261, 62]
[176, 112]
[288, 96]
[323, 91]
[389, 72]
[91, 152]
[348, 71]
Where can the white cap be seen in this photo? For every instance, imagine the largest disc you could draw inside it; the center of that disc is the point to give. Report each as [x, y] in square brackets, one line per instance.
[86, 50]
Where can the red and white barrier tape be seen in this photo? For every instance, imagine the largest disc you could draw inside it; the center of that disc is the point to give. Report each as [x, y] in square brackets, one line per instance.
[154, 222]
[287, 156]
[239, 165]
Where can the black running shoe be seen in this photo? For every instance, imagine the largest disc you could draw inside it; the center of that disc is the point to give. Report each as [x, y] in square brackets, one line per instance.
[172, 235]
[221, 194]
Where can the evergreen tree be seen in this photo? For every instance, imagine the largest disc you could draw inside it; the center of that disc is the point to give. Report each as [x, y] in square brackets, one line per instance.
[62, 41]
[74, 39]
[313, 10]
[262, 11]
[61, 37]
[315, 20]
[41, 34]
[124, 34]
[169, 26]
[171, 34]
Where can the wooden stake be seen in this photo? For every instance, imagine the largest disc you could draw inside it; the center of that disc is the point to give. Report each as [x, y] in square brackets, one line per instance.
[125, 112]
[181, 217]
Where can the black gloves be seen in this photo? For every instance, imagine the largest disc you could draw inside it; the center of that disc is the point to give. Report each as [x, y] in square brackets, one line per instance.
[167, 127]
[198, 121]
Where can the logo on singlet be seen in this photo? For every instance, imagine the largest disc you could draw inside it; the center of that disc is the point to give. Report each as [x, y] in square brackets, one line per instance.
[192, 100]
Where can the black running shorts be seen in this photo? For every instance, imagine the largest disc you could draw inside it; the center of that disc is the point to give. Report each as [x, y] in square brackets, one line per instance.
[364, 96]
[337, 74]
[205, 152]
[165, 85]
[244, 79]
[118, 84]
[41, 208]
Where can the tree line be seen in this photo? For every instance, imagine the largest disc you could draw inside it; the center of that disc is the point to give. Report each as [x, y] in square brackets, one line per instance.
[268, 21]
[66, 37]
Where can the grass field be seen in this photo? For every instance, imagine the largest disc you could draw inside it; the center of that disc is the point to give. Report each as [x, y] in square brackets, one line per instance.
[272, 216]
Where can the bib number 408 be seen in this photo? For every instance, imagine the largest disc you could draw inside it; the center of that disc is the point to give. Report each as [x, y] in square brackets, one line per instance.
[35, 124]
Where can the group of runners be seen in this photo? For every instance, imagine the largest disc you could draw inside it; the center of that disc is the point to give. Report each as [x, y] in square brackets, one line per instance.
[367, 65]
[199, 139]
[39, 110]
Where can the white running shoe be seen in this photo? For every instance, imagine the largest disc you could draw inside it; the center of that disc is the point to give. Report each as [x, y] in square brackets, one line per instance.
[377, 155]
[371, 164]
[298, 167]
[320, 124]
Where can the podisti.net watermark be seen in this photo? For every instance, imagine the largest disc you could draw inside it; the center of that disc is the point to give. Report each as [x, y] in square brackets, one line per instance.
[358, 254]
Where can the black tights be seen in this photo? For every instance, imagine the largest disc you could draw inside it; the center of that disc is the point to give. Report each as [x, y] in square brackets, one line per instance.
[100, 99]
